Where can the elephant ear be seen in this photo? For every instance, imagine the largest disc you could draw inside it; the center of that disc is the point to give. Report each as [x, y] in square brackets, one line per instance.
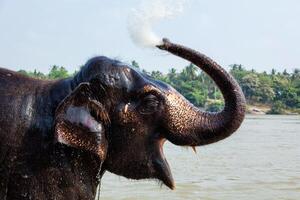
[81, 120]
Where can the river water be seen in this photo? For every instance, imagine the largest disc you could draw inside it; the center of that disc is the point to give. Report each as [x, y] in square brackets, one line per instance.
[260, 161]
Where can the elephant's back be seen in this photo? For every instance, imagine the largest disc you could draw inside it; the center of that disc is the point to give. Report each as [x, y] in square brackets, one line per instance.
[17, 99]
[13, 89]
[12, 92]
[14, 82]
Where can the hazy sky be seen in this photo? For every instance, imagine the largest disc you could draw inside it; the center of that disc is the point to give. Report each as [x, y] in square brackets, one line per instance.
[260, 34]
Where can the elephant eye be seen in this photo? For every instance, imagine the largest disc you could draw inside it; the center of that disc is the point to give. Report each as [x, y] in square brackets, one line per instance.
[149, 104]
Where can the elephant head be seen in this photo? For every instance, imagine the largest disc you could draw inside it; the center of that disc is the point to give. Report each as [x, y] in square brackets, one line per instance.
[125, 116]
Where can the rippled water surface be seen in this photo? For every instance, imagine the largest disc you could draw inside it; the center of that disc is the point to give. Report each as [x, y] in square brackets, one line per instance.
[260, 161]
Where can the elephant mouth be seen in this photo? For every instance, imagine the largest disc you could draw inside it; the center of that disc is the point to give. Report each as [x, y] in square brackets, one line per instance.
[161, 166]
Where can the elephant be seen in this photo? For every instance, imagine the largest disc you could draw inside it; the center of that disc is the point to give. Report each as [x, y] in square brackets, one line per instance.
[59, 137]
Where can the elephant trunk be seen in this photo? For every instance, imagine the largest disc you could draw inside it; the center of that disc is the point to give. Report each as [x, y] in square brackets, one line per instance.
[186, 124]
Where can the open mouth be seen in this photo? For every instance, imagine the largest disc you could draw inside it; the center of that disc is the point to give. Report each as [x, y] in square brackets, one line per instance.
[162, 168]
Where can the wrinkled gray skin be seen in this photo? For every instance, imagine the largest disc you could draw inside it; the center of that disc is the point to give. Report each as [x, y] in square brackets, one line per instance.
[57, 138]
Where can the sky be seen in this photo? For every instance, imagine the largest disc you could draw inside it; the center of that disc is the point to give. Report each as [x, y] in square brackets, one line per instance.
[259, 34]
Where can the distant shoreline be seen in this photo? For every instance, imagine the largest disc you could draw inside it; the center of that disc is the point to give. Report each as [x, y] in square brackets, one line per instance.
[261, 109]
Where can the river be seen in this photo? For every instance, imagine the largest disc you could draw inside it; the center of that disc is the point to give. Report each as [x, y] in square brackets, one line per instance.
[260, 161]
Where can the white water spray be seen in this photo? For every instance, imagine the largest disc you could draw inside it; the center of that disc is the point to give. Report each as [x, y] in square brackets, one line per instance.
[149, 12]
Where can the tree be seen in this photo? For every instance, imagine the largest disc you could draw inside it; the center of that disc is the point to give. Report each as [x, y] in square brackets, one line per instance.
[157, 75]
[191, 71]
[285, 73]
[249, 85]
[172, 76]
[215, 106]
[135, 64]
[265, 92]
[34, 74]
[57, 72]
[277, 108]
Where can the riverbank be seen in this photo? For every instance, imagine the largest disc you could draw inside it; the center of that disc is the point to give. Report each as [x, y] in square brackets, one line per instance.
[264, 109]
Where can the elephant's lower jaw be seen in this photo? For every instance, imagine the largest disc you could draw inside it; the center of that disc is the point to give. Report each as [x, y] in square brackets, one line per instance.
[149, 164]
[164, 173]
[162, 168]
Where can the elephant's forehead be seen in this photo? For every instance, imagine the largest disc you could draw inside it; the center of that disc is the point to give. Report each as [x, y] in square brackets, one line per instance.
[123, 75]
[156, 86]
[117, 77]
[148, 82]
[162, 85]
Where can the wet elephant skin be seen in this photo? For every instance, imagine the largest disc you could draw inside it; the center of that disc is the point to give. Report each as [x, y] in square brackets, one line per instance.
[32, 166]
[57, 138]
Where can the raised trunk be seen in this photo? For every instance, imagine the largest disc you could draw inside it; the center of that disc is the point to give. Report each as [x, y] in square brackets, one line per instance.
[190, 126]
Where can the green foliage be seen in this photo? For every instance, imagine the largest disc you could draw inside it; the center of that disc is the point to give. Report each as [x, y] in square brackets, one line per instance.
[35, 74]
[188, 82]
[157, 75]
[135, 64]
[280, 90]
[57, 72]
[215, 106]
[277, 108]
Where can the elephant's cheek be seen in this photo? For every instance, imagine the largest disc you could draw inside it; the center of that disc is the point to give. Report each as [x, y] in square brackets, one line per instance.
[130, 168]
[125, 114]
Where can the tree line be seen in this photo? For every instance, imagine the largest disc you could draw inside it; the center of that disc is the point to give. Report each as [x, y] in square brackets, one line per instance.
[280, 91]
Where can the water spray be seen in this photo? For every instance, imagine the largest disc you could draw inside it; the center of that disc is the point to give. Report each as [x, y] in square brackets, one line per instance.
[142, 19]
